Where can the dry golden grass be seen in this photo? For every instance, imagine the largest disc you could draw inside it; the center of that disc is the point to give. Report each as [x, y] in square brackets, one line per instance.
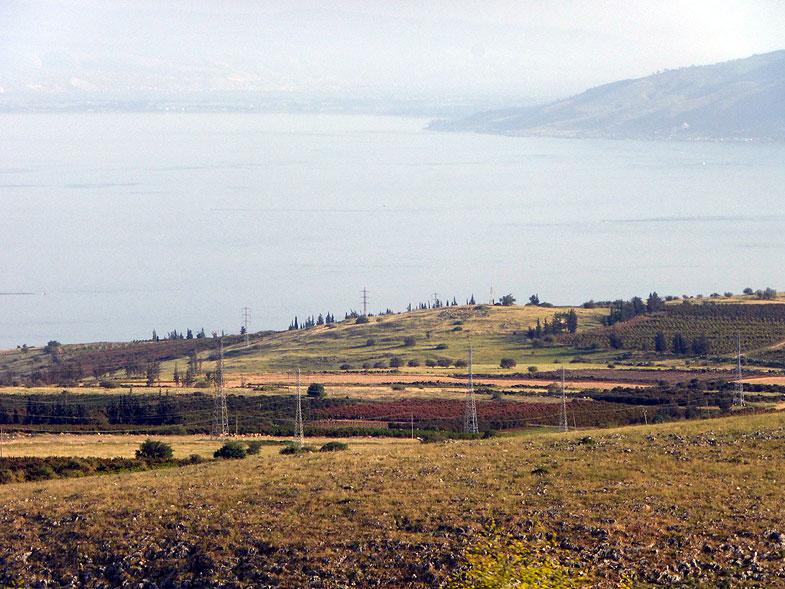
[639, 499]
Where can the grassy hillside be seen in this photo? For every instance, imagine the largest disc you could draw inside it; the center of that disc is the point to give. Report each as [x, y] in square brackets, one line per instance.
[443, 333]
[696, 502]
[494, 332]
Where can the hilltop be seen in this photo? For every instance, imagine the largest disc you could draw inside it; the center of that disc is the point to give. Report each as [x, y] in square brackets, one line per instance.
[532, 339]
[740, 99]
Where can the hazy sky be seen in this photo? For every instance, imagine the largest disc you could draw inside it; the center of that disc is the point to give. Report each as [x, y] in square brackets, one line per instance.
[401, 49]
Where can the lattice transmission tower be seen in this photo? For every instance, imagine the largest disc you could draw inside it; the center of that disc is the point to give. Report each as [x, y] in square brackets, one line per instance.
[563, 419]
[365, 301]
[299, 431]
[220, 415]
[470, 416]
[738, 387]
[246, 320]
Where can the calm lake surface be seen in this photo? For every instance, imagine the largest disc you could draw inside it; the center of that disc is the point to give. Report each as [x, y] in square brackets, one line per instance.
[135, 222]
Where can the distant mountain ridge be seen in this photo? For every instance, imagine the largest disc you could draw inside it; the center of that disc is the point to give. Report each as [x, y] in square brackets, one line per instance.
[742, 99]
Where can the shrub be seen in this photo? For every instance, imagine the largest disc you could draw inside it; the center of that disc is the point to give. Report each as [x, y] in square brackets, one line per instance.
[413, 362]
[430, 362]
[362, 319]
[71, 465]
[334, 447]
[109, 384]
[295, 449]
[380, 364]
[441, 346]
[500, 561]
[195, 459]
[370, 342]
[491, 433]
[507, 363]
[231, 450]
[154, 451]
[399, 387]
[532, 369]
[396, 362]
[346, 366]
[39, 472]
[409, 341]
[316, 390]
[458, 328]
[461, 363]
[444, 362]
[254, 446]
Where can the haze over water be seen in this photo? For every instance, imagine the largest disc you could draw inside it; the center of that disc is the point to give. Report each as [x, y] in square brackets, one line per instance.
[135, 222]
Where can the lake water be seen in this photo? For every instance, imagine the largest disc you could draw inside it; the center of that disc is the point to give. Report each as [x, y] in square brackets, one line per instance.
[135, 222]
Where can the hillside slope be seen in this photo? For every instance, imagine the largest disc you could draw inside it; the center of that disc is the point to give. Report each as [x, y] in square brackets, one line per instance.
[740, 99]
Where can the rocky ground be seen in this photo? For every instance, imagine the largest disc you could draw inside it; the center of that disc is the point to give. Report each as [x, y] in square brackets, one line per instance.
[671, 505]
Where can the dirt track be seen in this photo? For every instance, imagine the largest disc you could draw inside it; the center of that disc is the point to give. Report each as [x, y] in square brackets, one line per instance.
[380, 378]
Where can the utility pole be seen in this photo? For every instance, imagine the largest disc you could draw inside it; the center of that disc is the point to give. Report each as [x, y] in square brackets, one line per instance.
[563, 421]
[246, 319]
[365, 301]
[412, 417]
[299, 434]
[470, 416]
[220, 417]
[491, 296]
[738, 389]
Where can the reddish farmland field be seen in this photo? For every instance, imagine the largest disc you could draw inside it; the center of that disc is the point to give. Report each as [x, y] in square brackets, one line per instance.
[496, 414]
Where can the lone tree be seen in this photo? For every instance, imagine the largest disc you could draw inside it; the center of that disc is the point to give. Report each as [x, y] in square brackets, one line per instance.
[507, 300]
[660, 343]
[316, 390]
[508, 363]
[154, 451]
[572, 321]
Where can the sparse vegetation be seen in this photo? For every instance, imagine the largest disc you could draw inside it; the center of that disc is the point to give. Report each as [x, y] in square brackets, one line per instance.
[231, 450]
[316, 390]
[154, 451]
